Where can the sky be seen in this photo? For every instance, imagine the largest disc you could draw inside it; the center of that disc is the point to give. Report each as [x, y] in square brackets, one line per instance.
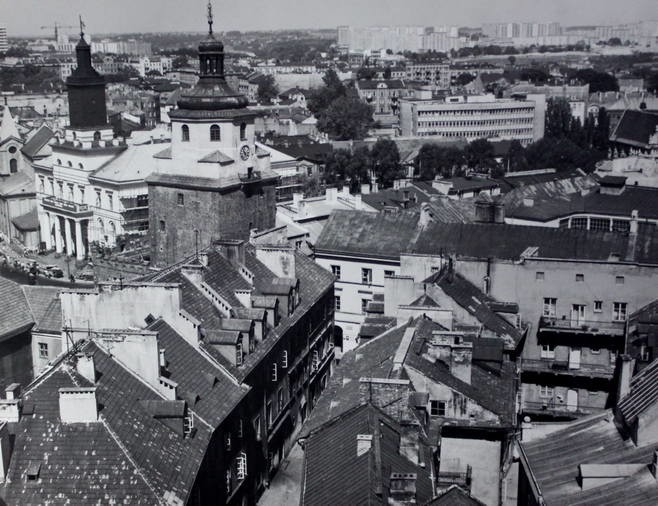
[25, 17]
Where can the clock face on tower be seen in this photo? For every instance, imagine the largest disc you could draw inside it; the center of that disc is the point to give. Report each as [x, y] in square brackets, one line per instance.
[245, 152]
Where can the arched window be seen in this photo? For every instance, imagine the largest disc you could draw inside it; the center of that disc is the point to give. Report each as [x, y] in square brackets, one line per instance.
[243, 131]
[69, 163]
[97, 136]
[185, 133]
[13, 165]
[81, 166]
[215, 133]
[59, 162]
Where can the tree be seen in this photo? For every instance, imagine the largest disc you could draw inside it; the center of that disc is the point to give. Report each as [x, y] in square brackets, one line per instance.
[601, 138]
[558, 118]
[598, 81]
[535, 76]
[366, 73]
[387, 73]
[479, 155]
[515, 159]
[464, 78]
[320, 98]
[267, 89]
[358, 167]
[179, 61]
[614, 41]
[345, 118]
[386, 161]
[335, 166]
[512, 60]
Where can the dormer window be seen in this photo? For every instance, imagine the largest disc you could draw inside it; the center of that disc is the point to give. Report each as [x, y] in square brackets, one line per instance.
[215, 133]
[185, 133]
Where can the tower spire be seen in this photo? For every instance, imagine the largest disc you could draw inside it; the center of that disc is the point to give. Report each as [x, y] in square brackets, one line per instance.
[210, 18]
[82, 27]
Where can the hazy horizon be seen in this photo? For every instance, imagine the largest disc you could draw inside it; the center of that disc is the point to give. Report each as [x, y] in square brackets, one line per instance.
[25, 18]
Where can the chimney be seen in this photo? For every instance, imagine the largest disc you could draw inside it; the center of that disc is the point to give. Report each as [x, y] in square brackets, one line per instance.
[451, 349]
[365, 189]
[279, 259]
[301, 206]
[85, 367]
[654, 464]
[297, 198]
[499, 212]
[363, 444]
[162, 359]
[403, 488]
[528, 202]
[232, 250]
[193, 272]
[78, 405]
[426, 216]
[358, 202]
[332, 194]
[5, 450]
[203, 258]
[634, 221]
[388, 394]
[625, 366]
[13, 392]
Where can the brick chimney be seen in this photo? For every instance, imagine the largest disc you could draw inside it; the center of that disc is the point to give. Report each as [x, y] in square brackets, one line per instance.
[625, 365]
[403, 488]
[451, 349]
[232, 250]
[193, 272]
[78, 405]
[389, 395]
[10, 407]
[85, 367]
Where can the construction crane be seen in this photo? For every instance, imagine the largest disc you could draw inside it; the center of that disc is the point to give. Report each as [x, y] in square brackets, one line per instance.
[56, 26]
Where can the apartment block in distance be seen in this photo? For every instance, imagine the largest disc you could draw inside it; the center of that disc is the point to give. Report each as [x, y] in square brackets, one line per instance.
[474, 117]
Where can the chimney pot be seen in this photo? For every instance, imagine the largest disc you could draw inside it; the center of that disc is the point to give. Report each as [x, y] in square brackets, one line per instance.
[13, 391]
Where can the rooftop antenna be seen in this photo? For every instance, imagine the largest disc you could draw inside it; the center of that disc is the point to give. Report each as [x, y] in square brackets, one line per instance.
[210, 18]
[196, 243]
[82, 26]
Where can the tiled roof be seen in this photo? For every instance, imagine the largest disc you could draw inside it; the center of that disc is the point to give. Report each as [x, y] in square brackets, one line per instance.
[368, 234]
[37, 141]
[646, 314]
[643, 393]
[367, 84]
[554, 461]
[128, 455]
[17, 184]
[45, 305]
[502, 241]
[635, 128]
[528, 178]
[27, 221]
[16, 315]
[424, 301]
[447, 210]
[211, 400]
[470, 184]
[396, 198]
[340, 476]
[473, 300]
[454, 496]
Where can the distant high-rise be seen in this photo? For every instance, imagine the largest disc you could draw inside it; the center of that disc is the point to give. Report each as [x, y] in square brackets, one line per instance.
[4, 45]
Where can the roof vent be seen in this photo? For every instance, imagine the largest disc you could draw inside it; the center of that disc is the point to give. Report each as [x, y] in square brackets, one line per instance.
[33, 471]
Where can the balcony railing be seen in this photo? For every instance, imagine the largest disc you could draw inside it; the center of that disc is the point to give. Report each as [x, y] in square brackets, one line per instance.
[564, 367]
[565, 324]
[65, 205]
[448, 478]
[555, 408]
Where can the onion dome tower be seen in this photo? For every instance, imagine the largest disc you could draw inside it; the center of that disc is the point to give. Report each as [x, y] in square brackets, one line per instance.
[86, 90]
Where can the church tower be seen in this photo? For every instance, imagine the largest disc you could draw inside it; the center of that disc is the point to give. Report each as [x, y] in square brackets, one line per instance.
[213, 182]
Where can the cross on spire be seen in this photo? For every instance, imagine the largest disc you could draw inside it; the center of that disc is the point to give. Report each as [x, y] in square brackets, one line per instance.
[82, 26]
[210, 18]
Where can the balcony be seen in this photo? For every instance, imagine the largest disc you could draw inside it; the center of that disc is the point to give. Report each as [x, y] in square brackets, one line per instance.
[445, 479]
[551, 407]
[66, 206]
[579, 326]
[563, 367]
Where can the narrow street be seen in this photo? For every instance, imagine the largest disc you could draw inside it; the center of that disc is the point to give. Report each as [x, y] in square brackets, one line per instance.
[285, 488]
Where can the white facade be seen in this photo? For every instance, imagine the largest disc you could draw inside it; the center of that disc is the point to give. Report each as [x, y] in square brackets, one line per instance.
[4, 45]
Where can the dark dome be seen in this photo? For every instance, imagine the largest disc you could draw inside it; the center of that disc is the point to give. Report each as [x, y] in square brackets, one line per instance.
[211, 44]
[212, 94]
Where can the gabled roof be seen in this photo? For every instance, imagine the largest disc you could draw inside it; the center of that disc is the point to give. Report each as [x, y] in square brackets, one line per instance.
[46, 308]
[367, 84]
[635, 128]
[127, 455]
[37, 142]
[340, 476]
[454, 496]
[643, 393]
[424, 301]
[367, 234]
[8, 128]
[554, 459]
[16, 315]
[17, 184]
[28, 221]
[217, 157]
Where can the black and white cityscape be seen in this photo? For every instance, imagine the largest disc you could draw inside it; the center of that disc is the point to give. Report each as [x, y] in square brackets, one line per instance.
[328, 253]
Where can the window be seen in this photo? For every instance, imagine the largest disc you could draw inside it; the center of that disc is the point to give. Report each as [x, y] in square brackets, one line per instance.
[41, 184]
[162, 226]
[97, 136]
[619, 280]
[257, 428]
[539, 276]
[622, 226]
[619, 311]
[188, 424]
[364, 305]
[337, 302]
[227, 441]
[366, 276]
[580, 278]
[644, 353]
[275, 372]
[602, 224]
[110, 200]
[550, 307]
[13, 165]
[243, 131]
[12, 149]
[335, 269]
[279, 397]
[388, 274]
[98, 198]
[180, 199]
[185, 133]
[239, 356]
[545, 391]
[215, 133]
[269, 414]
[229, 481]
[595, 351]
[437, 408]
[284, 359]
[242, 466]
[81, 190]
[547, 351]
[43, 350]
[579, 223]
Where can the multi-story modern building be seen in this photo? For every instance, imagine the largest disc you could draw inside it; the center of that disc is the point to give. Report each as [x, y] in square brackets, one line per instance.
[474, 117]
[4, 44]
[432, 73]
[146, 64]
[384, 96]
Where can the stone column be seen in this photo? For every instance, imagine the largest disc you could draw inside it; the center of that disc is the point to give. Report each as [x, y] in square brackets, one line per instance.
[44, 223]
[69, 237]
[79, 245]
[58, 234]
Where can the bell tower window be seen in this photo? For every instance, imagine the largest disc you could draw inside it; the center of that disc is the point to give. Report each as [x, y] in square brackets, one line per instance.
[215, 133]
[243, 131]
[97, 136]
[185, 133]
